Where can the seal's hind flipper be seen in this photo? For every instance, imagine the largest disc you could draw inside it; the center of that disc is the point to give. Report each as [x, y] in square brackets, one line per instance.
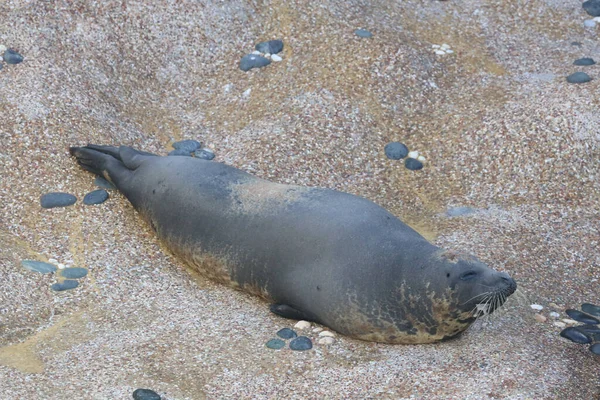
[285, 311]
[100, 161]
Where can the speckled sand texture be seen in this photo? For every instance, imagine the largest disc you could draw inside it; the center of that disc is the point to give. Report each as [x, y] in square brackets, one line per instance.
[501, 129]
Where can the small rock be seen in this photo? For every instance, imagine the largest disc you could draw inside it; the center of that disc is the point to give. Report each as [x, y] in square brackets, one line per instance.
[256, 53]
[440, 52]
[272, 46]
[576, 44]
[267, 55]
[595, 348]
[96, 197]
[555, 306]
[73, 273]
[286, 333]
[395, 150]
[317, 329]
[559, 324]
[65, 285]
[275, 344]
[589, 23]
[591, 309]
[57, 199]
[302, 325]
[413, 164]
[103, 183]
[584, 61]
[301, 343]
[276, 58]
[592, 7]
[326, 340]
[413, 154]
[445, 46]
[574, 335]
[187, 145]
[554, 314]
[421, 158]
[435, 46]
[537, 307]
[2, 48]
[180, 152]
[204, 154]
[38, 266]
[12, 57]
[250, 61]
[145, 394]
[449, 51]
[246, 93]
[569, 321]
[363, 33]
[539, 318]
[326, 334]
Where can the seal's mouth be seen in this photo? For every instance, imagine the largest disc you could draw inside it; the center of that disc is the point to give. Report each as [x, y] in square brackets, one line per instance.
[489, 302]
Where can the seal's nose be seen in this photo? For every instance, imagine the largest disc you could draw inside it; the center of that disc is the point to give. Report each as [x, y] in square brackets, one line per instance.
[511, 285]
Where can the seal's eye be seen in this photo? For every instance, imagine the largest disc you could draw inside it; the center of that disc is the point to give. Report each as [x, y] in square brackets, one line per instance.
[468, 275]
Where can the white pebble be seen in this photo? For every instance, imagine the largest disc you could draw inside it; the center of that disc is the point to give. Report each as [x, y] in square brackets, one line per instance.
[317, 330]
[52, 261]
[449, 51]
[247, 93]
[326, 340]
[256, 52]
[537, 307]
[326, 334]
[440, 52]
[435, 46]
[413, 154]
[597, 19]
[569, 321]
[445, 46]
[421, 158]
[559, 324]
[589, 23]
[267, 55]
[2, 48]
[302, 325]
[276, 58]
[554, 314]
[61, 266]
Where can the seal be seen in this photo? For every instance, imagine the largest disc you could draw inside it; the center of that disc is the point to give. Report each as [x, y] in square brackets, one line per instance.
[316, 254]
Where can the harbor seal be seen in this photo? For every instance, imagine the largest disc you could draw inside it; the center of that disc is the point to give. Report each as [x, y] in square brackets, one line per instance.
[316, 254]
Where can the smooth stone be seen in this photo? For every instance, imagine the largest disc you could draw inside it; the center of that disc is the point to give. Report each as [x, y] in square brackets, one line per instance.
[395, 150]
[559, 324]
[440, 52]
[302, 325]
[554, 314]
[96, 197]
[326, 340]
[145, 394]
[326, 334]
[576, 44]
[187, 145]
[57, 199]
[584, 61]
[12, 57]
[413, 164]
[539, 318]
[592, 7]
[414, 154]
[275, 344]
[363, 33]
[103, 183]
[582, 317]
[595, 348]
[250, 61]
[591, 309]
[276, 58]
[204, 154]
[286, 333]
[301, 343]
[578, 77]
[39, 266]
[180, 152]
[73, 273]
[575, 335]
[272, 46]
[65, 285]
[569, 321]
[537, 307]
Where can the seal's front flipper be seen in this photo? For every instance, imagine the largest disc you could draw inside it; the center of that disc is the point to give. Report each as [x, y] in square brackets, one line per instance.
[285, 311]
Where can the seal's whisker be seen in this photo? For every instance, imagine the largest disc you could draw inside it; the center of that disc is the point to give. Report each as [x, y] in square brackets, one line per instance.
[474, 297]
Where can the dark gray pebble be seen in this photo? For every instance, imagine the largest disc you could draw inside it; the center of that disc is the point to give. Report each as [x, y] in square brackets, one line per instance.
[57, 199]
[204, 154]
[12, 57]
[584, 61]
[187, 145]
[582, 317]
[103, 183]
[286, 333]
[395, 150]
[595, 348]
[250, 61]
[180, 152]
[592, 7]
[578, 77]
[574, 335]
[96, 197]
[576, 44]
[38, 266]
[73, 273]
[65, 285]
[272, 46]
[275, 344]
[301, 343]
[413, 164]
[591, 309]
[145, 394]
[363, 33]
[460, 211]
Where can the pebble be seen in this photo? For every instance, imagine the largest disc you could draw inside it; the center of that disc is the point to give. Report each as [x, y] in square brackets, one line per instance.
[57, 199]
[449, 51]
[103, 183]
[73, 273]
[317, 330]
[204, 154]
[576, 44]
[554, 314]
[539, 318]
[187, 145]
[421, 158]
[445, 46]
[301, 343]
[12, 57]
[286, 333]
[272, 46]
[459, 211]
[595, 348]
[592, 7]
[267, 55]
[569, 321]
[537, 307]
[584, 61]
[582, 317]
[302, 325]
[591, 309]
[180, 152]
[65, 285]
[413, 154]
[145, 394]
[326, 340]
[275, 344]
[440, 52]
[326, 334]
[256, 53]
[276, 58]
[38, 266]
[413, 164]
[559, 324]
[96, 197]
[2, 48]
[589, 23]
[250, 61]
[574, 335]
[363, 33]
[395, 150]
